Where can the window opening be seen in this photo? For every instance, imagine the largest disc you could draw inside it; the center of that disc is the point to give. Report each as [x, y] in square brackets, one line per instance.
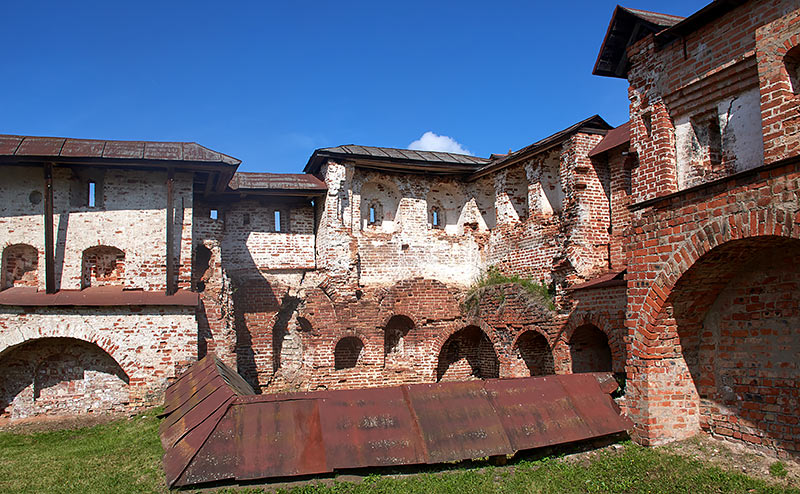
[92, 199]
[792, 63]
[435, 218]
[246, 219]
[277, 221]
[213, 214]
[372, 215]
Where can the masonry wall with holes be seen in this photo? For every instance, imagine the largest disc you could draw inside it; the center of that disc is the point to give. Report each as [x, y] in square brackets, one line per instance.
[554, 213]
[98, 239]
[65, 361]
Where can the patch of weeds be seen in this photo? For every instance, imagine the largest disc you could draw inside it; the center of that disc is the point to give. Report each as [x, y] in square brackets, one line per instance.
[778, 469]
[537, 292]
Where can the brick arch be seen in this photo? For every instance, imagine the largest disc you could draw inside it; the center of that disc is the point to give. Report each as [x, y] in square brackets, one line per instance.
[13, 340]
[738, 226]
[12, 256]
[601, 322]
[440, 346]
[540, 367]
[457, 326]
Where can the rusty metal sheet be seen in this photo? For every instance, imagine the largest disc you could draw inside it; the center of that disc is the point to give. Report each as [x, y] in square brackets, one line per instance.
[279, 439]
[180, 455]
[40, 146]
[536, 412]
[217, 459]
[171, 433]
[9, 144]
[95, 297]
[83, 148]
[457, 421]
[124, 149]
[182, 390]
[171, 151]
[370, 427]
[596, 408]
[216, 431]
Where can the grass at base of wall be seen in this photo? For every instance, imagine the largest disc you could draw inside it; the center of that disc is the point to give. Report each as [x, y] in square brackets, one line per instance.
[125, 456]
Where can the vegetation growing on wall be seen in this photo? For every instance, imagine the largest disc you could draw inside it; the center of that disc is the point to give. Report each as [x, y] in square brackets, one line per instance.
[485, 286]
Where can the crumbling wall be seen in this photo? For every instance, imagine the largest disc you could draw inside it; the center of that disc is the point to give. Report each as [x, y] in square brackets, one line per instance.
[59, 360]
[131, 202]
[695, 109]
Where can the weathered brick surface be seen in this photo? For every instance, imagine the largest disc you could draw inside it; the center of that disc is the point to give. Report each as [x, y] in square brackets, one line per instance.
[147, 346]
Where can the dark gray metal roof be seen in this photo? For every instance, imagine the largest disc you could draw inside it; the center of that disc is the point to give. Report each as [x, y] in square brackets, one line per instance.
[592, 125]
[400, 159]
[627, 26]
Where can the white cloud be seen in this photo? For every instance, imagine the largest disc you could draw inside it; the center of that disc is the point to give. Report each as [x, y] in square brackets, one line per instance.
[433, 142]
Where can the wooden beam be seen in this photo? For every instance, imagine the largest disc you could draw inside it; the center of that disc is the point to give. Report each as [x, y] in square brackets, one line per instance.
[49, 245]
[171, 285]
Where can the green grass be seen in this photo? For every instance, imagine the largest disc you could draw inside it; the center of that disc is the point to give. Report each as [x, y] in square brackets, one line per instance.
[125, 456]
[778, 469]
[492, 277]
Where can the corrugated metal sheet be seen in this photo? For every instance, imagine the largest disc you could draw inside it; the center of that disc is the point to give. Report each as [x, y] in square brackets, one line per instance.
[216, 429]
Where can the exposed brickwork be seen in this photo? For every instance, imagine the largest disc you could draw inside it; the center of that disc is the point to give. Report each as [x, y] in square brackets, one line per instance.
[20, 266]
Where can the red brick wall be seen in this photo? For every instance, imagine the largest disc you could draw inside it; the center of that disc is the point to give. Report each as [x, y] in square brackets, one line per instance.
[684, 253]
[20, 266]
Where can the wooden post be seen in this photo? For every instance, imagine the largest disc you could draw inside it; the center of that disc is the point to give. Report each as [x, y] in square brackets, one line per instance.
[171, 288]
[49, 247]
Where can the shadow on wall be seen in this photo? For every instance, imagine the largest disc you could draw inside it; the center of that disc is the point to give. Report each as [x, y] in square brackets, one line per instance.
[736, 312]
[467, 354]
[532, 348]
[60, 376]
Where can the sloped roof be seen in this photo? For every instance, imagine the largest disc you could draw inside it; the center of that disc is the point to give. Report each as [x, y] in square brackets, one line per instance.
[707, 14]
[627, 26]
[615, 137]
[20, 148]
[592, 125]
[401, 159]
[300, 183]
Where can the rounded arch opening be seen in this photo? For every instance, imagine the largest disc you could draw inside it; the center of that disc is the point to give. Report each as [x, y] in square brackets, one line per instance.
[532, 349]
[20, 264]
[589, 350]
[347, 353]
[102, 265]
[467, 354]
[735, 315]
[395, 339]
[60, 376]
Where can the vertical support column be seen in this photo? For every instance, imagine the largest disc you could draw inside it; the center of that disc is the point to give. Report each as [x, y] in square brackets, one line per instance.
[171, 289]
[49, 247]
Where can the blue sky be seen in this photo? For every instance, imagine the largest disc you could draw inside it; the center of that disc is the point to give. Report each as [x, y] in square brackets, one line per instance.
[269, 82]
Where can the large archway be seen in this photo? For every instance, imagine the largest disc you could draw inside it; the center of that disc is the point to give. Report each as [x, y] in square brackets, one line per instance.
[467, 354]
[732, 321]
[60, 376]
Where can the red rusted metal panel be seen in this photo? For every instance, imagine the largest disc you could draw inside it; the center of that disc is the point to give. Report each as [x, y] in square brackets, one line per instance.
[40, 146]
[217, 458]
[9, 144]
[536, 412]
[82, 148]
[370, 427]
[124, 149]
[195, 152]
[192, 414]
[180, 455]
[279, 439]
[217, 431]
[596, 408]
[172, 151]
[457, 421]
